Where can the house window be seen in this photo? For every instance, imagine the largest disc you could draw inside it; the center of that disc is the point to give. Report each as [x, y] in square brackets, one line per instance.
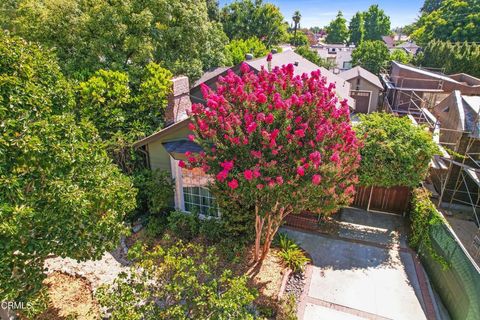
[196, 195]
[347, 65]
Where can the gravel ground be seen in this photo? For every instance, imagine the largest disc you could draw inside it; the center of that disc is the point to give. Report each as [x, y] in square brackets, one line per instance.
[295, 284]
[97, 272]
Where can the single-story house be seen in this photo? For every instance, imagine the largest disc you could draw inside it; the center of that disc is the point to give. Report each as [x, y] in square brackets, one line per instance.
[365, 89]
[164, 149]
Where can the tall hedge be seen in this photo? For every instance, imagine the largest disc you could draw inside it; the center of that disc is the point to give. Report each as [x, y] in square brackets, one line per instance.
[395, 151]
[423, 216]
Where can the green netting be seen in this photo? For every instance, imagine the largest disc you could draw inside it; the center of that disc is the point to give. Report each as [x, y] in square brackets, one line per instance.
[459, 285]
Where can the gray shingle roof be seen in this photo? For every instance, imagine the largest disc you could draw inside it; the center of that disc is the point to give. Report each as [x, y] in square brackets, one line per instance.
[363, 73]
[303, 66]
[210, 74]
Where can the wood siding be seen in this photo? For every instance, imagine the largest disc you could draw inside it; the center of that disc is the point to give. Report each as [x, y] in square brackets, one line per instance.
[159, 157]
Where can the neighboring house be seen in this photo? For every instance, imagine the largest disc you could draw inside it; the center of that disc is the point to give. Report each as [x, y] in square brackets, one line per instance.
[410, 47]
[389, 41]
[339, 54]
[407, 85]
[365, 89]
[165, 148]
[399, 37]
[301, 64]
[459, 123]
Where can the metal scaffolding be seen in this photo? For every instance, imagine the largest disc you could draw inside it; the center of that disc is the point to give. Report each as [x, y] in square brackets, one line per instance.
[403, 99]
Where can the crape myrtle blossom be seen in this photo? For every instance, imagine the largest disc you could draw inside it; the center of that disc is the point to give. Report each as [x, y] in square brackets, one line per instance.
[281, 142]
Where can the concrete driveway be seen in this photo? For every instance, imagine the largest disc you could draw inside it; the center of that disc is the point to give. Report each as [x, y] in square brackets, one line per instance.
[362, 272]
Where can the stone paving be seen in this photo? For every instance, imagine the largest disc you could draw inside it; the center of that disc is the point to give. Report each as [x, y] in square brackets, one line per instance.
[364, 272]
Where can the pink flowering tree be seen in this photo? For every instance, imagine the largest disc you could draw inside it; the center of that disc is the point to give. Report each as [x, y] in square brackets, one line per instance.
[278, 143]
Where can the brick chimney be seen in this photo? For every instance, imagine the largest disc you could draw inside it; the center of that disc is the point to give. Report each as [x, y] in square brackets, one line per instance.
[178, 101]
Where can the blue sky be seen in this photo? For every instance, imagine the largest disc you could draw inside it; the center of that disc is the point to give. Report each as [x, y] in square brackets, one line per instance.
[320, 12]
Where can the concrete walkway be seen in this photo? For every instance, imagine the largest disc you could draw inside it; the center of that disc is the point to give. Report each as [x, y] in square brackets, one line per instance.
[363, 272]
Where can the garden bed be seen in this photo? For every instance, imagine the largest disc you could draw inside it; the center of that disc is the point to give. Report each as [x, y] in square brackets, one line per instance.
[70, 297]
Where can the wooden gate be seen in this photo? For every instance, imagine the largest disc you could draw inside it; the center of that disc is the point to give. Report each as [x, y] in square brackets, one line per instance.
[362, 100]
[392, 200]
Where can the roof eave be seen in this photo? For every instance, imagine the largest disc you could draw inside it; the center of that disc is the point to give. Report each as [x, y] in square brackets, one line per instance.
[159, 134]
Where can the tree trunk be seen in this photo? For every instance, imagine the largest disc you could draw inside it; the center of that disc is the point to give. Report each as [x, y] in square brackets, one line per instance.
[295, 35]
[259, 221]
[267, 226]
[274, 222]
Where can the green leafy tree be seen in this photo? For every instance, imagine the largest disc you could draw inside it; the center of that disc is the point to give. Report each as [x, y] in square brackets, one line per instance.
[377, 23]
[431, 5]
[7, 13]
[183, 281]
[395, 152]
[337, 31]
[371, 55]
[401, 56]
[301, 39]
[454, 20]
[213, 10]
[124, 35]
[313, 56]
[297, 16]
[409, 28]
[244, 19]
[59, 192]
[238, 48]
[356, 28]
[451, 57]
[122, 111]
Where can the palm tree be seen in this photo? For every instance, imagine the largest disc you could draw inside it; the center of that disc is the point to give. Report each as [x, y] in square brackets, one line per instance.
[296, 19]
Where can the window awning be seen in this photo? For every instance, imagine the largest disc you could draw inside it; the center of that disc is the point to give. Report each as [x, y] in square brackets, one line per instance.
[177, 148]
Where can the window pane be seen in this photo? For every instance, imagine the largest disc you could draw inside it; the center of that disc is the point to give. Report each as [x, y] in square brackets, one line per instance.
[196, 195]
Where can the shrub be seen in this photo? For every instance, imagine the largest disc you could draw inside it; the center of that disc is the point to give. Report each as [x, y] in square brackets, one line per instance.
[423, 216]
[300, 39]
[184, 225]
[156, 226]
[236, 216]
[212, 230]
[155, 191]
[395, 152]
[181, 281]
[284, 242]
[232, 249]
[292, 256]
[287, 309]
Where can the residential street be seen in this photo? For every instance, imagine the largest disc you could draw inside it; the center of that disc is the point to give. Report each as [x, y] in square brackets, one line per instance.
[365, 273]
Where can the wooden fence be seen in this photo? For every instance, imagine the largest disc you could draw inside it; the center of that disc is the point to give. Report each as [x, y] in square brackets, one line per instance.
[391, 200]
